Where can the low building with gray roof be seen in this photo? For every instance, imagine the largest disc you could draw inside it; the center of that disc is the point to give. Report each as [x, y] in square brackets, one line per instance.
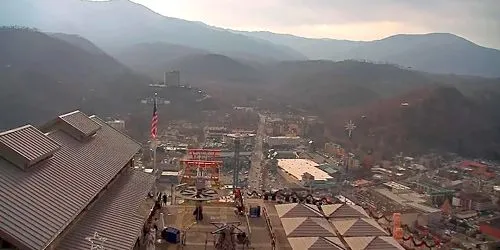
[67, 180]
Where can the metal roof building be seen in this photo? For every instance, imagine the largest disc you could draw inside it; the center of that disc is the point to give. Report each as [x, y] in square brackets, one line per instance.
[344, 210]
[336, 226]
[298, 167]
[72, 177]
[358, 227]
[307, 227]
[295, 210]
[120, 213]
[310, 243]
[373, 243]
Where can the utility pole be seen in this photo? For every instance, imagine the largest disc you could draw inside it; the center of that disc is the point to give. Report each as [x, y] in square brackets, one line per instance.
[237, 148]
[236, 171]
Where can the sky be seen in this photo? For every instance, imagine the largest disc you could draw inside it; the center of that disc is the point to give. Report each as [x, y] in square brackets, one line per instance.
[476, 20]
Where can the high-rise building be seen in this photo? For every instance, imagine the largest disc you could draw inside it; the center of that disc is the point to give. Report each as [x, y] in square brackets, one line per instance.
[172, 78]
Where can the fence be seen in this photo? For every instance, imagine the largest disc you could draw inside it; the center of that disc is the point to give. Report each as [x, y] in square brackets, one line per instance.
[270, 227]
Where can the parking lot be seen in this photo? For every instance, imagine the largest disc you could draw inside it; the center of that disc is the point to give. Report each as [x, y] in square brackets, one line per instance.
[198, 235]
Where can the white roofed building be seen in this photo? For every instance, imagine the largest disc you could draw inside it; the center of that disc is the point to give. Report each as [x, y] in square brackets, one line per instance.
[299, 168]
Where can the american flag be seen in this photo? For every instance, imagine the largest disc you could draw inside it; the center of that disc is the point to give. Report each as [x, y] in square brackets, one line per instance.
[154, 121]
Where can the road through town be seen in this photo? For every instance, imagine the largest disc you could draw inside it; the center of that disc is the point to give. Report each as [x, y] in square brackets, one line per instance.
[255, 173]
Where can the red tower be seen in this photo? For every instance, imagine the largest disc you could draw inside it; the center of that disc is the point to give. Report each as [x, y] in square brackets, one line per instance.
[203, 166]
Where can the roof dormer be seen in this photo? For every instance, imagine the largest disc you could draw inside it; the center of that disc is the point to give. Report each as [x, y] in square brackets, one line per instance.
[26, 146]
[78, 125]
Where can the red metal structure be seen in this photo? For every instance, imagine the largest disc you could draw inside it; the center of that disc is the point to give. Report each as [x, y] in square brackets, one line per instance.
[238, 199]
[204, 154]
[201, 165]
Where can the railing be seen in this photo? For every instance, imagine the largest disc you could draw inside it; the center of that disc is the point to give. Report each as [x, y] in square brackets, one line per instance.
[248, 227]
[270, 227]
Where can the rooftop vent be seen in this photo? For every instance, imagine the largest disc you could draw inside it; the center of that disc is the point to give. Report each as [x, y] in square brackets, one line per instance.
[26, 146]
[79, 125]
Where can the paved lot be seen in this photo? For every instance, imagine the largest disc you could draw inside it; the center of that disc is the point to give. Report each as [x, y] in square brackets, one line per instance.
[198, 235]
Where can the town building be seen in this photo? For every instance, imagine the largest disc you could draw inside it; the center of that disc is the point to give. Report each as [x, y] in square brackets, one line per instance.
[275, 127]
[409, 199]
[329, 169]
[117, 124]
[215, 133]
[397, 188]
[477, 169]
[491, 229]
[62, 183]
[337, 226]
[332, 148]
[283, 141]
[300, 168]
[475, 201]
[246, 137]
[172, 78]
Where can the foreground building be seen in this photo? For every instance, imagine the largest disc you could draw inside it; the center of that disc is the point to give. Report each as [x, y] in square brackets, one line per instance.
[336, 226]
[70, 179]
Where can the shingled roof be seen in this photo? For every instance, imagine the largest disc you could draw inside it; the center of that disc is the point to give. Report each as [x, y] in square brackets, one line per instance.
[293, 210]
[344, 211]
[312, 243]
[117, 218]
[307, 227]
[38, 203]
[373, 243]
[358, 227]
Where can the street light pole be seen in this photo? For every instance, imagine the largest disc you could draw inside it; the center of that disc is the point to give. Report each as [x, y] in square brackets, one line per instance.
[236, 171]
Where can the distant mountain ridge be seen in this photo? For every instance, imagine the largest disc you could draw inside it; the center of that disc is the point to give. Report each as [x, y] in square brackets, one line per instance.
[42, 76]
[79, 42]
[114, 25]
[441, 53]
[120, 24]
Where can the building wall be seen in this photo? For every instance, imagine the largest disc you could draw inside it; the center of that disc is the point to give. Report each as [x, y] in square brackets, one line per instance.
[490, 230]
[481, 206]
[411, 218]
[434, 217]
[292, 141]
[331, 148]
[468, 204]
[173, 78]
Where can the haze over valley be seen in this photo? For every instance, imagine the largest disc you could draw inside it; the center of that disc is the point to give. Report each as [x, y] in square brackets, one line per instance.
[94, 56]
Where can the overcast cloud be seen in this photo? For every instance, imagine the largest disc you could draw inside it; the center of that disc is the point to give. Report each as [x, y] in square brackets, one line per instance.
[476, 20]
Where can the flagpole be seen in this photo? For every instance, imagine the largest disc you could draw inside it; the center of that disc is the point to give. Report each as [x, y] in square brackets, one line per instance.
[155, 141]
